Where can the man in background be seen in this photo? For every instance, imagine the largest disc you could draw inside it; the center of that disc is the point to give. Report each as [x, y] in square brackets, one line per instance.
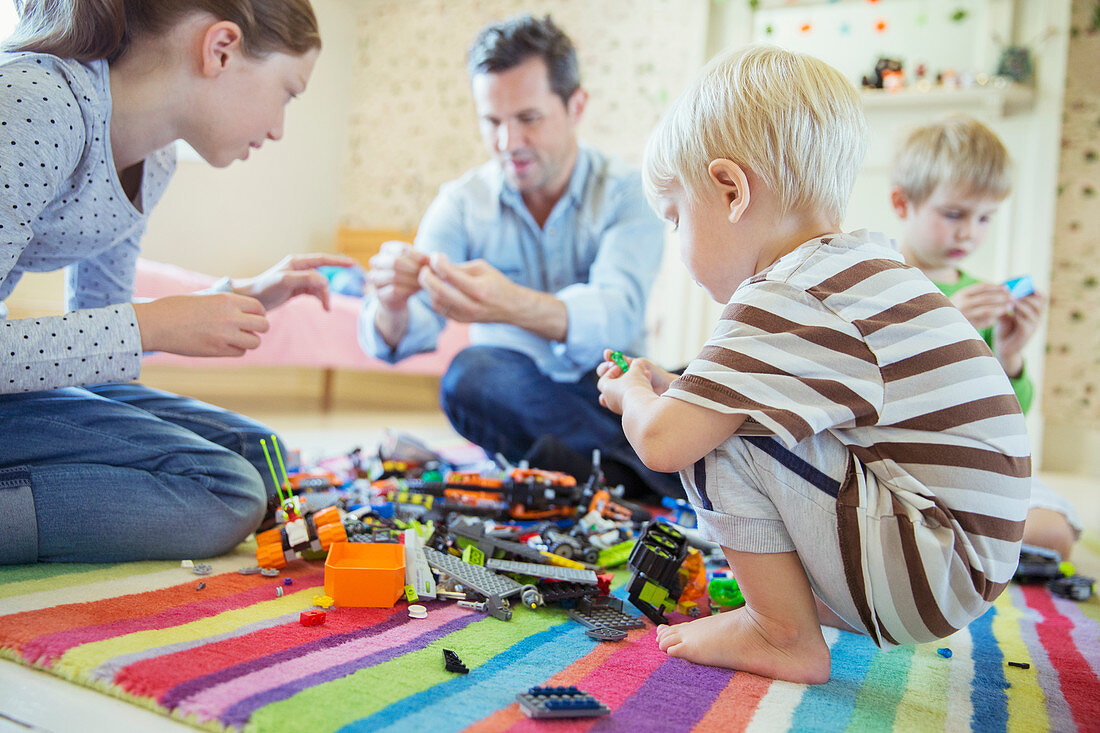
[549, 250]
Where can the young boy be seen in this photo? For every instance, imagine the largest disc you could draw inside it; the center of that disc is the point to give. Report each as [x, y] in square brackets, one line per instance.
[948, 180]
[845, 432]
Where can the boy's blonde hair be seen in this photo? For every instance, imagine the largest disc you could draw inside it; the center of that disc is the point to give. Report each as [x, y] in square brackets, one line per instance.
[790, 118]
[959, 151]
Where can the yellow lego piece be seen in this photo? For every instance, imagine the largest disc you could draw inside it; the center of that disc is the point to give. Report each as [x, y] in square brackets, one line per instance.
[323, 601]
[562, 562]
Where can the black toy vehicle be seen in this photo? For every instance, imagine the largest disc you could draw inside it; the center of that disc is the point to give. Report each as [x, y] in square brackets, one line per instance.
[1073, 587]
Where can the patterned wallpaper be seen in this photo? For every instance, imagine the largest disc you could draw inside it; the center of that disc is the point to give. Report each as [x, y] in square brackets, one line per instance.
[1073, 341]
[412, 119]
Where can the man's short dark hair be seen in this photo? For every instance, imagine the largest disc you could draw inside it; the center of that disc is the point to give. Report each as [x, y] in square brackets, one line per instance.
[508, 43]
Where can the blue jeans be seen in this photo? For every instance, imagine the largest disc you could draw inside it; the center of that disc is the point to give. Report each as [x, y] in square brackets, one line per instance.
[498, 399]
[120, 472]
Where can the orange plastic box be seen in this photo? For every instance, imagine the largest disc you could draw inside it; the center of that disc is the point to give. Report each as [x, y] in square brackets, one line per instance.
[368, 574]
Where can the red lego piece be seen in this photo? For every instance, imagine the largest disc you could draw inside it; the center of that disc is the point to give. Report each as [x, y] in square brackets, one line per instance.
[603, 582]
[312, 618]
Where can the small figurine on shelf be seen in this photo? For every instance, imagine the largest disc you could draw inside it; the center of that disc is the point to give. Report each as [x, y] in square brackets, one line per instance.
[882, 66]
[893, 81]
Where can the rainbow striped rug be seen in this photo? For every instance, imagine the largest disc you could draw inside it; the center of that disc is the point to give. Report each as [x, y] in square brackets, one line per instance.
[233, 656]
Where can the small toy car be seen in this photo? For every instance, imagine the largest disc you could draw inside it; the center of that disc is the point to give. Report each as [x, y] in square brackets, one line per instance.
[1074, 587]
[1037, 565]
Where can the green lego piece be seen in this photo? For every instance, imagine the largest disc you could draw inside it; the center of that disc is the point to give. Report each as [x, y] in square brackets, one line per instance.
[410, 594]
[617, 357]
[656, 596]
[473, 555]
[726, 592]
[615, 555]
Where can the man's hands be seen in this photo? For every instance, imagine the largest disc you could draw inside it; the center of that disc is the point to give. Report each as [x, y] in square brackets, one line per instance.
[468, 292]
[1014, 321]
[393, 274]
[220, 324]
[293, 275]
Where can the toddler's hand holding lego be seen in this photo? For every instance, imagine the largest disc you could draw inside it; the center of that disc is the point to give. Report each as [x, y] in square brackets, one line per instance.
[613, 383]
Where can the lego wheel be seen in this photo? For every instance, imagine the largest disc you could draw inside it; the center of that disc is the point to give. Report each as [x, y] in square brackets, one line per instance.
[327, 534]
[273, 536]
[270, 556]
[326, 516]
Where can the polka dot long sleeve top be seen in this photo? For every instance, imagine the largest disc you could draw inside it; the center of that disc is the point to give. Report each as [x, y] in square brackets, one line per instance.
[63, 206]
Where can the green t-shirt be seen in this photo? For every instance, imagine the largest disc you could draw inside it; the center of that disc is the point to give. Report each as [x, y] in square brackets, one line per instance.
[1025, 391]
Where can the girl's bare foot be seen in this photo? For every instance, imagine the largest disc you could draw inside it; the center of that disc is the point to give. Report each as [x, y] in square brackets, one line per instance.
[743, 640]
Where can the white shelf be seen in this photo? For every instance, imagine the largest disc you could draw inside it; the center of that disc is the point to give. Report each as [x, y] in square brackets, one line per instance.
[998, 101]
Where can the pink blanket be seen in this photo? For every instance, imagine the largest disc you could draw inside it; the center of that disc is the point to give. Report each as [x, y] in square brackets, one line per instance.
[302, 334]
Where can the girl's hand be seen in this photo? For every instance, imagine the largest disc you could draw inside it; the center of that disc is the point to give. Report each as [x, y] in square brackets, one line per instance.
[613, 384]
[983, 303]
[220, 324]
[1014, 329]
[293, 275]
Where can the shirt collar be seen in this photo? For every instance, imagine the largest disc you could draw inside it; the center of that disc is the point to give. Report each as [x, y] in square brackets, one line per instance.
[510, 196]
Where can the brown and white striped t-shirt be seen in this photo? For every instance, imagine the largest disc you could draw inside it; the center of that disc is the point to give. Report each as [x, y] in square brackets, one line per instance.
[841, 336]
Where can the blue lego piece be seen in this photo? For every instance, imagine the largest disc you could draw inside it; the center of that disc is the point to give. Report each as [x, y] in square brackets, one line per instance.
[1020, 287]
[559, 702]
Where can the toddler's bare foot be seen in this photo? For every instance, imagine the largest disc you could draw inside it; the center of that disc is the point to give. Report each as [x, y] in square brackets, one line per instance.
[742, 640]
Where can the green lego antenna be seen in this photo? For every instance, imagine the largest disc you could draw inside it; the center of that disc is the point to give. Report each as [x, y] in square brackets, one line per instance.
[274, 476]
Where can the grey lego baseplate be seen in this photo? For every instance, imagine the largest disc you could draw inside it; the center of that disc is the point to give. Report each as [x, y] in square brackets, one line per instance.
[604, 612]
[606, 634]
[474, 577]
[560, 702]
[558, 591]
[495, 588]
[553, 572]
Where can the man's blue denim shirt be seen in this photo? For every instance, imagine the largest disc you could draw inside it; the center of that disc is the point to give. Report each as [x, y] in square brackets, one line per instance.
[599, 253]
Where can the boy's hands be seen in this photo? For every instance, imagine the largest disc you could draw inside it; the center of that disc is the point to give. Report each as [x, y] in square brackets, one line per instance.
[292, 276]
[1014, 321]
[1014, 329]
[219, 324]
[983, 303]
[613, 384]
[394, 273]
